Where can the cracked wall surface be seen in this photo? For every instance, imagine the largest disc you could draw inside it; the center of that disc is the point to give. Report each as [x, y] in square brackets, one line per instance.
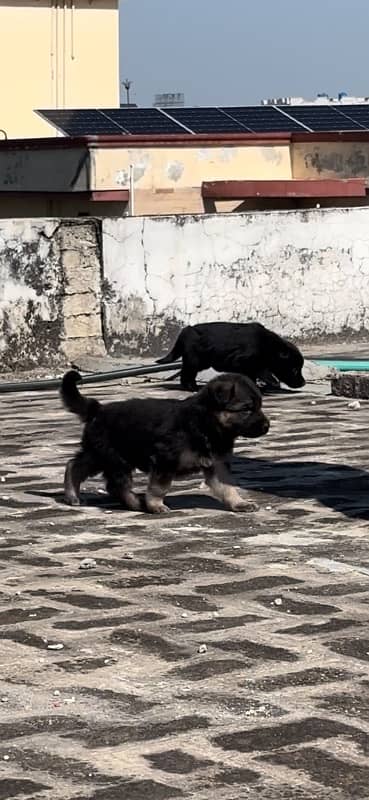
[31, 291]
[303, 273]
[50, 302]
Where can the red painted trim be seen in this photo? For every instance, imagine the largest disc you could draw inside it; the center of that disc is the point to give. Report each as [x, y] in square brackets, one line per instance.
[180, 140]
[64, 143]
[239, 190]
[191, 140]
[333, 136]
[102, 196]
[110, 196]
[122, 142]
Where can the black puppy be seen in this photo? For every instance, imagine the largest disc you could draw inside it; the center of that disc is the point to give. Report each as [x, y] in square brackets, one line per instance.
[164, 438]
[247, 348]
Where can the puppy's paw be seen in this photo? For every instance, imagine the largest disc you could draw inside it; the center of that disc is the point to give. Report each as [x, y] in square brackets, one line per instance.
[72, 501]
[206, 463]
[189, 387]
[245, 505]
[159, 509]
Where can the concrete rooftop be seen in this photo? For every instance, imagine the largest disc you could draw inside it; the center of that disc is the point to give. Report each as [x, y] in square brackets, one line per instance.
[104, 693]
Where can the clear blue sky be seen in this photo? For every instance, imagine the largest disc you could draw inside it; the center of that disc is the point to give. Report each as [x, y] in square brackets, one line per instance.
[238, 51]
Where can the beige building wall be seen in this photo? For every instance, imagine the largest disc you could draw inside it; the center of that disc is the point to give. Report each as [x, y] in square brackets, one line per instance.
[168, 179]
[56, 54]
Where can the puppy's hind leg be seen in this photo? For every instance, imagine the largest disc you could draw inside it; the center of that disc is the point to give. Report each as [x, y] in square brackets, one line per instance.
[191, 360]
[158, 486]
[77, 470]
[122, 489]
[218, 480]
[118, 476]
[188, 376]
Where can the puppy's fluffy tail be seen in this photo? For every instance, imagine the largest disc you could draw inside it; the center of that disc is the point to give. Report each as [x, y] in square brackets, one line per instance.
[176, 351]
[85, 407]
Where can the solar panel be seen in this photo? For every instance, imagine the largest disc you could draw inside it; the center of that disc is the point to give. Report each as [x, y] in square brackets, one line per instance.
[144, 121]
[358, 113]
[80, 122]
[212, 120]
[207, 120]
[263, 119]
[322, 118]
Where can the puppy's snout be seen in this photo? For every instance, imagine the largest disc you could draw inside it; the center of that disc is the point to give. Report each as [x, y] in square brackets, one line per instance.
[259, 426]
[298, 381]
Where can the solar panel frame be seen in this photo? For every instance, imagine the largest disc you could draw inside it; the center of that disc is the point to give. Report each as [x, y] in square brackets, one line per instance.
[264, 119]
[143, 121]
[320, 118]
[358, 112]
[80, 122]
[207, 119]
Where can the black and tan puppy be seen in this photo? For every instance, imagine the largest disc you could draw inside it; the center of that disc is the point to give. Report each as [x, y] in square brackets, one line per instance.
[164, 438]
[247, 348]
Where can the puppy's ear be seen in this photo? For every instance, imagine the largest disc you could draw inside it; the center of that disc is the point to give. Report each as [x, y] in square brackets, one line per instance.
[220, 393]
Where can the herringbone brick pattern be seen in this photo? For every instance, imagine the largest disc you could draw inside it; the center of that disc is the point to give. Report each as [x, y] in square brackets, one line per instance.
[105, 690]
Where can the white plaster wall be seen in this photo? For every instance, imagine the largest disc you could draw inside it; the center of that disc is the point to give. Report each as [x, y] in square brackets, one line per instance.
[302, 273]
[30, 292]
[50, 291]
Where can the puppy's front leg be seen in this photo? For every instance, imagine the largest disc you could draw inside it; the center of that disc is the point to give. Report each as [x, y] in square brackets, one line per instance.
[218, 480]
[158, 486]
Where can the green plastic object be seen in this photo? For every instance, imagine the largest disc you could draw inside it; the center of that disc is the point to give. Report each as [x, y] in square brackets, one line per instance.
[342, 365]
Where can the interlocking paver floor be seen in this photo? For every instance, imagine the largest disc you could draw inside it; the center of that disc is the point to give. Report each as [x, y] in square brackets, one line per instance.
[103, 691]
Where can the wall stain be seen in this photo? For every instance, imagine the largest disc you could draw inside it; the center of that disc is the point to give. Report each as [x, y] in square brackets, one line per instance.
[355, 164]
[175, 170]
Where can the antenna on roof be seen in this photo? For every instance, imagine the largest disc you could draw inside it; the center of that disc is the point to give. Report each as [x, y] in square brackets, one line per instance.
[127, 85]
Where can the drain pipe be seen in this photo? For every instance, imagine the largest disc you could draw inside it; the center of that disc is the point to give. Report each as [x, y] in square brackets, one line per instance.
[131, 205]
[95, 377]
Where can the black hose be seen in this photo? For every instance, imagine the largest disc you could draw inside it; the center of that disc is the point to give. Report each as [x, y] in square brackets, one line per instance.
[95, 377]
